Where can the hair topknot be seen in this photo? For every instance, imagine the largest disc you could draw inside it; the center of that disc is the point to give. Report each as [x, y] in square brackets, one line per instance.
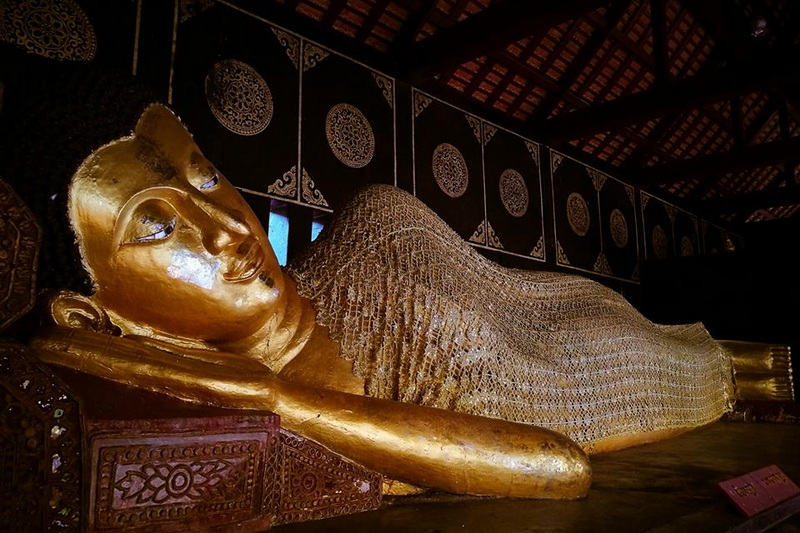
[54, 114]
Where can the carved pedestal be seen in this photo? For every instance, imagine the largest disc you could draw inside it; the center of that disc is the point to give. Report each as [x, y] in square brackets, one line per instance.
[82, 454]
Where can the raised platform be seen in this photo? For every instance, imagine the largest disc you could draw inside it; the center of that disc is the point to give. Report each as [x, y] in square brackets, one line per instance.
[669, 486]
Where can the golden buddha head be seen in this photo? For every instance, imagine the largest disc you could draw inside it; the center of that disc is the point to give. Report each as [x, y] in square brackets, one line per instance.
[169, 243]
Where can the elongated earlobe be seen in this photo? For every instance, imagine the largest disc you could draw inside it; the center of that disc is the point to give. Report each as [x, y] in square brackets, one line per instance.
[73, 310]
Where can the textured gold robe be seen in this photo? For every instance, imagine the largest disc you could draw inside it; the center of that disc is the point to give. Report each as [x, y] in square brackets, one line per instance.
[425, 319]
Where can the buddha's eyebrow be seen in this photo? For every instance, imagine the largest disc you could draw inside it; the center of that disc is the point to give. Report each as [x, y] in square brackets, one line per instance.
[199, 162]
[156, 161]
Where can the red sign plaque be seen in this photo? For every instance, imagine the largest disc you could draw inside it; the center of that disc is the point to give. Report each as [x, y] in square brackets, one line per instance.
[759, 490]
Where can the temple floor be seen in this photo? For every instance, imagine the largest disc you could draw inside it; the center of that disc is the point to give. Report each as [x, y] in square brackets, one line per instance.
[662, 487]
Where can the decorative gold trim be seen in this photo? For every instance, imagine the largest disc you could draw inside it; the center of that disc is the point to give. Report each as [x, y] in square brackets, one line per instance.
[645, 198]
[291, 44]
[555, 161]
[672, 211]
[533, 149]
[286, 185]
[629, 189]
[597, 177]
[421, 102]
[561, 256]
[475, 124]
[492, 238]
[312, 55]
[488, 132]
[386, 85]
[479, 236]
[601, 265]
[538, 250]
[310, 193]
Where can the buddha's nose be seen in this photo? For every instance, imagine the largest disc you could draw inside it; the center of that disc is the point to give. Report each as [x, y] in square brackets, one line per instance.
[225, 227]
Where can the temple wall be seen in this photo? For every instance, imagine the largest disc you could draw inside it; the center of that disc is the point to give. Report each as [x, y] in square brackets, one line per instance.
[290, 120]
[298, 122]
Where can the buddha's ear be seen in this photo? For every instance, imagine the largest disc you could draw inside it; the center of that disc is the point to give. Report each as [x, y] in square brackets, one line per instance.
[73, 310]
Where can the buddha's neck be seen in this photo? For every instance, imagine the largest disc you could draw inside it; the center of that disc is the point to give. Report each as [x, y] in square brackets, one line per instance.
[280, 340]
[299, 350]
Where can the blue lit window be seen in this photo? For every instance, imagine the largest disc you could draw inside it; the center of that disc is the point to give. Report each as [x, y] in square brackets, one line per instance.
[316, 227]
[279, 234]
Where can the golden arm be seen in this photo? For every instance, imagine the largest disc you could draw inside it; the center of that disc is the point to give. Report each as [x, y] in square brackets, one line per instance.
[435, 448]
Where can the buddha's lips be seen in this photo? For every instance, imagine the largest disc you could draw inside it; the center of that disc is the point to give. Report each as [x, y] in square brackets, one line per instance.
[246, 263]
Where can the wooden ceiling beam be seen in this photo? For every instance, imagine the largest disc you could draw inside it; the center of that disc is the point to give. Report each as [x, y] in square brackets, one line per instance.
[764, 73]
[581, 60]
[485, 32]
[736, 160]
[747, 203]
[411, 27]
[729, 27]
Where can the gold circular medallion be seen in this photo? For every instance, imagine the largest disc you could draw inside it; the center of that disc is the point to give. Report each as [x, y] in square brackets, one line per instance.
[687, 248]
[450, 170]
[619, 228]
[578, 214]
[57, 30]
[660, 242]
[513, 192]
[238, 97]
[350, 135]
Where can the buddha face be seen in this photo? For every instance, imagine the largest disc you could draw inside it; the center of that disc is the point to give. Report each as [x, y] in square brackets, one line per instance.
[170, 244]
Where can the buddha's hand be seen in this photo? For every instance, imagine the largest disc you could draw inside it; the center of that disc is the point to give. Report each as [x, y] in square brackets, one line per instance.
[201, 376]
[764, 387]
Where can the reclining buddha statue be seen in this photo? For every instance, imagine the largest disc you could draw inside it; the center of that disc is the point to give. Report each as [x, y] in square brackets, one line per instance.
[389, 341]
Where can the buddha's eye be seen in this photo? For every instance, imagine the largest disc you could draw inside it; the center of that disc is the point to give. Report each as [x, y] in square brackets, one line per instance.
[152, 221]
[210, 183]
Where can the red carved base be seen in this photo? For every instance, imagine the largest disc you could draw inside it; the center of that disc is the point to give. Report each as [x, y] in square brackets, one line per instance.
[150, 463]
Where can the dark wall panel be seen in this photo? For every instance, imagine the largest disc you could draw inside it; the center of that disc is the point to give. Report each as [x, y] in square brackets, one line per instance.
[619, 229]
[659, 239]
[347, 129]
[513, 192]
[448, 174]
[576, 211]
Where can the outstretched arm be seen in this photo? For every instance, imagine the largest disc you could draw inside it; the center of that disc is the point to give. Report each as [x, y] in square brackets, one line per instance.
[429, 447]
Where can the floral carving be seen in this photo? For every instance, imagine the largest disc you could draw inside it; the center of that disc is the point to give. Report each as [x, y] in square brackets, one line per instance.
[158, 483]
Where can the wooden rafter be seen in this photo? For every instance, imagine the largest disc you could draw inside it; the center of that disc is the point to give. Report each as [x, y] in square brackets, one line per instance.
[761, 73]
[589, 50]
[732, 161]
[411, 27]
[775, 197]
[486, 32]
